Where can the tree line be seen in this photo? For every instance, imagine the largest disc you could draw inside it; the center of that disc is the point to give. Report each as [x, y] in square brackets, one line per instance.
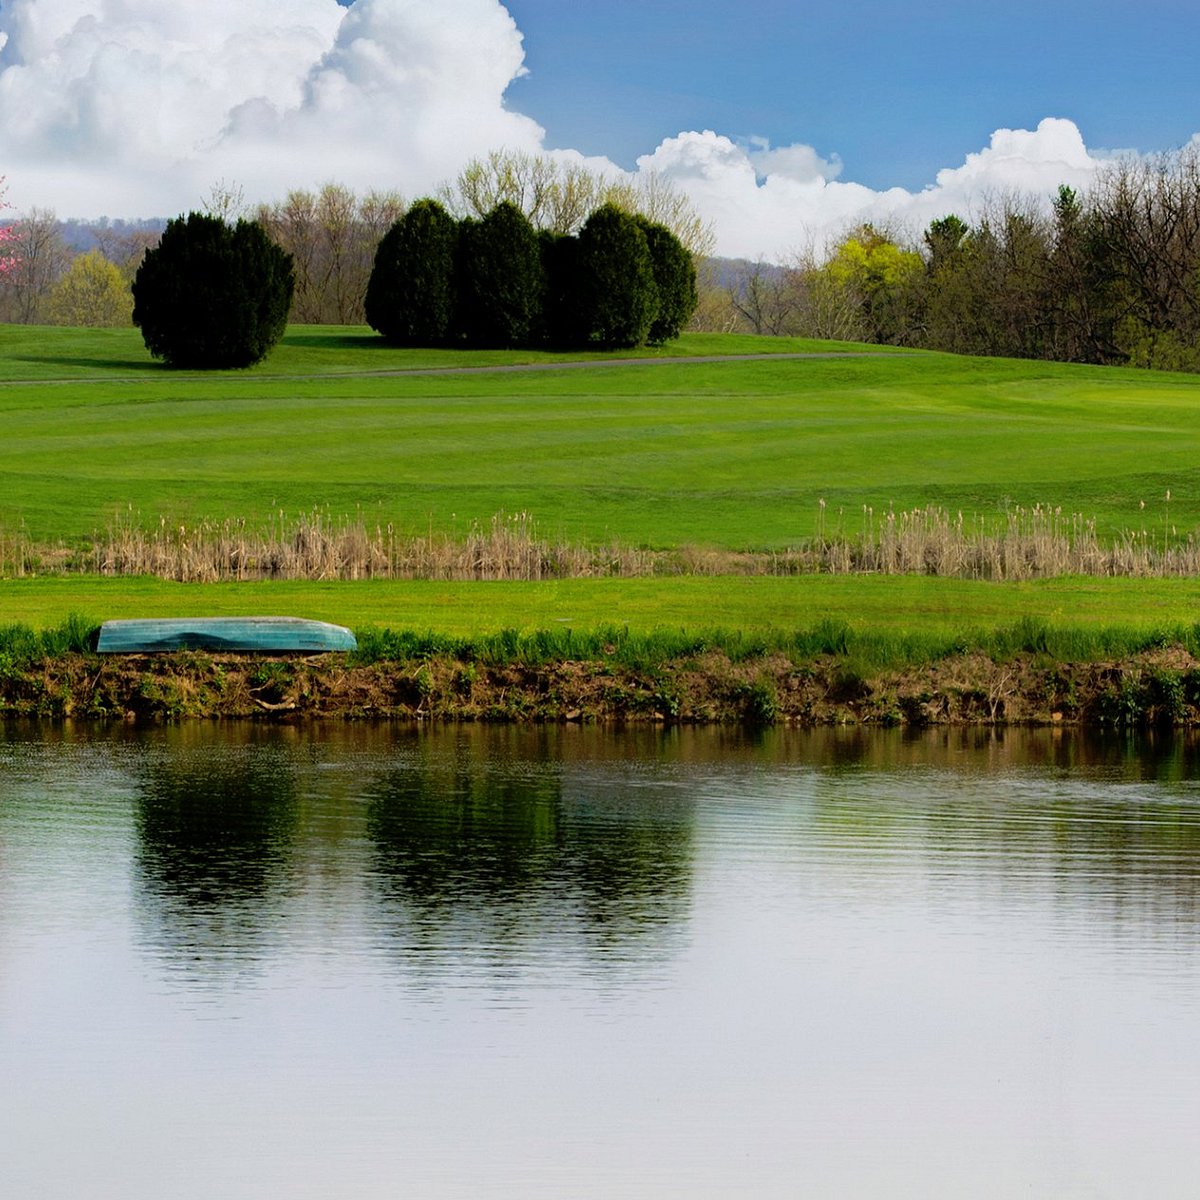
[218, 294]
[1110, 275]
[1107, 276]
[622, 281]
[81, 272]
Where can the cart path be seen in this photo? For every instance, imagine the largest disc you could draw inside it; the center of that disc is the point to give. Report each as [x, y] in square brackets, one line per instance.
[585, 363]
[154, 372]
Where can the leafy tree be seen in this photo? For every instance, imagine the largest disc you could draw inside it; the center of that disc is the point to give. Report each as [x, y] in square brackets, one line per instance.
[499, 279]
[885, 278]
[212, 295]
[943, 241]
[410, 295]
[675, 279]
[615, 298]
[93, 292]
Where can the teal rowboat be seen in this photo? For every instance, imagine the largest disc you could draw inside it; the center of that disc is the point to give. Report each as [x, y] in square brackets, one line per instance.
[238, 635]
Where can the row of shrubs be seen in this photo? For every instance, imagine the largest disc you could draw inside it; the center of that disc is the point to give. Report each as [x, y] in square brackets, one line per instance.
[621, 281]
[214, 295]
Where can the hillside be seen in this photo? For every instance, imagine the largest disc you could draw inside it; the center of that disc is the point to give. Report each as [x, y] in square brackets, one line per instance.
[735, 455]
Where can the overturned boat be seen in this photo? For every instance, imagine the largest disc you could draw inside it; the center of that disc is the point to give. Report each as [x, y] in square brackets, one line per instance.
[235, 635]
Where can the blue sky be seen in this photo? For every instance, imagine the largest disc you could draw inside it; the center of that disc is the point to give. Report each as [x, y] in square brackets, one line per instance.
[897, 90]
[782, 123]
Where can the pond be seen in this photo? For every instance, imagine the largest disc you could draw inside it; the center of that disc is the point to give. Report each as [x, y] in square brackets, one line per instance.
[377, 961]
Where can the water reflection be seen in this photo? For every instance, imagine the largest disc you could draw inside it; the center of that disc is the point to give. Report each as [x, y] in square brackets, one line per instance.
[216, 824]
[478, 850]
[510, 849]
[1112, 821]
[374, 961]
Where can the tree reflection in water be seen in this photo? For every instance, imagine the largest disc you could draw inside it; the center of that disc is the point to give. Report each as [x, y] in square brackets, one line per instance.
[504, 860]
[216, 823]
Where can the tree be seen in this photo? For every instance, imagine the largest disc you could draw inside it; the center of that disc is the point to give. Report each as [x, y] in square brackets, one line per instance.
[410, 295]
[40, 257]
[1144, 236]
[885, 278]
[615, 298]
[558, 196]
[657, 199]
[213, 295]
[332, 235]
[499, 279]
[763, 295]
[558, 255]
[93, 292]
[121, 242]
[952, 299]
[675, 279]
[8, 235]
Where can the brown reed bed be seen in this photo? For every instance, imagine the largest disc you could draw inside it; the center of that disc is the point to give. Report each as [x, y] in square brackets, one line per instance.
[1020, 544]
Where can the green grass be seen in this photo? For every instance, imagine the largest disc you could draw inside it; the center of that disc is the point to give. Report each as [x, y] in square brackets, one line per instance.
[892, 604]
[734, 455]
[875, 622]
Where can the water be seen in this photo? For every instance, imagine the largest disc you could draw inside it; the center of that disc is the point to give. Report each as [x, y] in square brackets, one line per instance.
[246, 962]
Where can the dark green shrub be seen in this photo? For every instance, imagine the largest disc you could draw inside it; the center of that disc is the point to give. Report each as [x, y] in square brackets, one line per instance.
[410, 295]
[213, 295]
[675, 279]
[558, 254]
[499, 279]
[615, 298]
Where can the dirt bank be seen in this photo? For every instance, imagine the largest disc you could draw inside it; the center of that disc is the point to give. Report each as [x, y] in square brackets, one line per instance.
[1161, 687]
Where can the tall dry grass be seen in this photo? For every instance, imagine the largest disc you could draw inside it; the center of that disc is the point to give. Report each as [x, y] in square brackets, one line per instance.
[316, 546]
[1023, 543]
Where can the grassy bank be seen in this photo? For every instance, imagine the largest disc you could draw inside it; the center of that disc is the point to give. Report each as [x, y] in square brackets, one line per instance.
[888, 605]
[826, 673]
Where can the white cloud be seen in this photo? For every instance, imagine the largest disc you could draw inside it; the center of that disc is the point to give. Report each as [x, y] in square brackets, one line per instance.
[767, 202]
[137, 107]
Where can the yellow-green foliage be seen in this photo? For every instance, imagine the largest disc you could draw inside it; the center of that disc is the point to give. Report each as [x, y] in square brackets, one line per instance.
[92, 293]
[881, 277]
[870, 261]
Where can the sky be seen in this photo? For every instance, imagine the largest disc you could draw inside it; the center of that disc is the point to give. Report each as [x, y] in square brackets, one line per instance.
[783, 122]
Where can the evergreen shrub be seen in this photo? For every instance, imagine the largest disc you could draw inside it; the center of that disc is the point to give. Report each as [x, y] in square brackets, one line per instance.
[411, 295]
[211, 295]
[499, 280]
[614, 293]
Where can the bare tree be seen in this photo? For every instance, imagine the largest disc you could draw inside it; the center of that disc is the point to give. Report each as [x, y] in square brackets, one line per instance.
[764, 295]
[124, 244]
[559, 196]
[226, 200]
[1146, 226]
[332, 237]
[42, 257]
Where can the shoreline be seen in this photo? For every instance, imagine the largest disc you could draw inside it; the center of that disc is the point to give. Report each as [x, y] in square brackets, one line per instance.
[1159, 687]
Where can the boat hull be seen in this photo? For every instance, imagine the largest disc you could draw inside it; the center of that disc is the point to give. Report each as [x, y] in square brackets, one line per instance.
[235, 635]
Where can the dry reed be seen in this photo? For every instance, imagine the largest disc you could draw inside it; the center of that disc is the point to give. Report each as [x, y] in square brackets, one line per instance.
[1023, 543]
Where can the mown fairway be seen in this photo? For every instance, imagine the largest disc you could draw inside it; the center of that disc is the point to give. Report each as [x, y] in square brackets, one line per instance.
[734, 454]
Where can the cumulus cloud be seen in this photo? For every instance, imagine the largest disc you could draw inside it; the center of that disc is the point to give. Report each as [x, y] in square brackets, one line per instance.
[767, 202]
[137, 107]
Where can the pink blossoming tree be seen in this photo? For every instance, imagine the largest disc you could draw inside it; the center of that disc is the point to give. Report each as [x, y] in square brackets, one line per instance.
[8, 235]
